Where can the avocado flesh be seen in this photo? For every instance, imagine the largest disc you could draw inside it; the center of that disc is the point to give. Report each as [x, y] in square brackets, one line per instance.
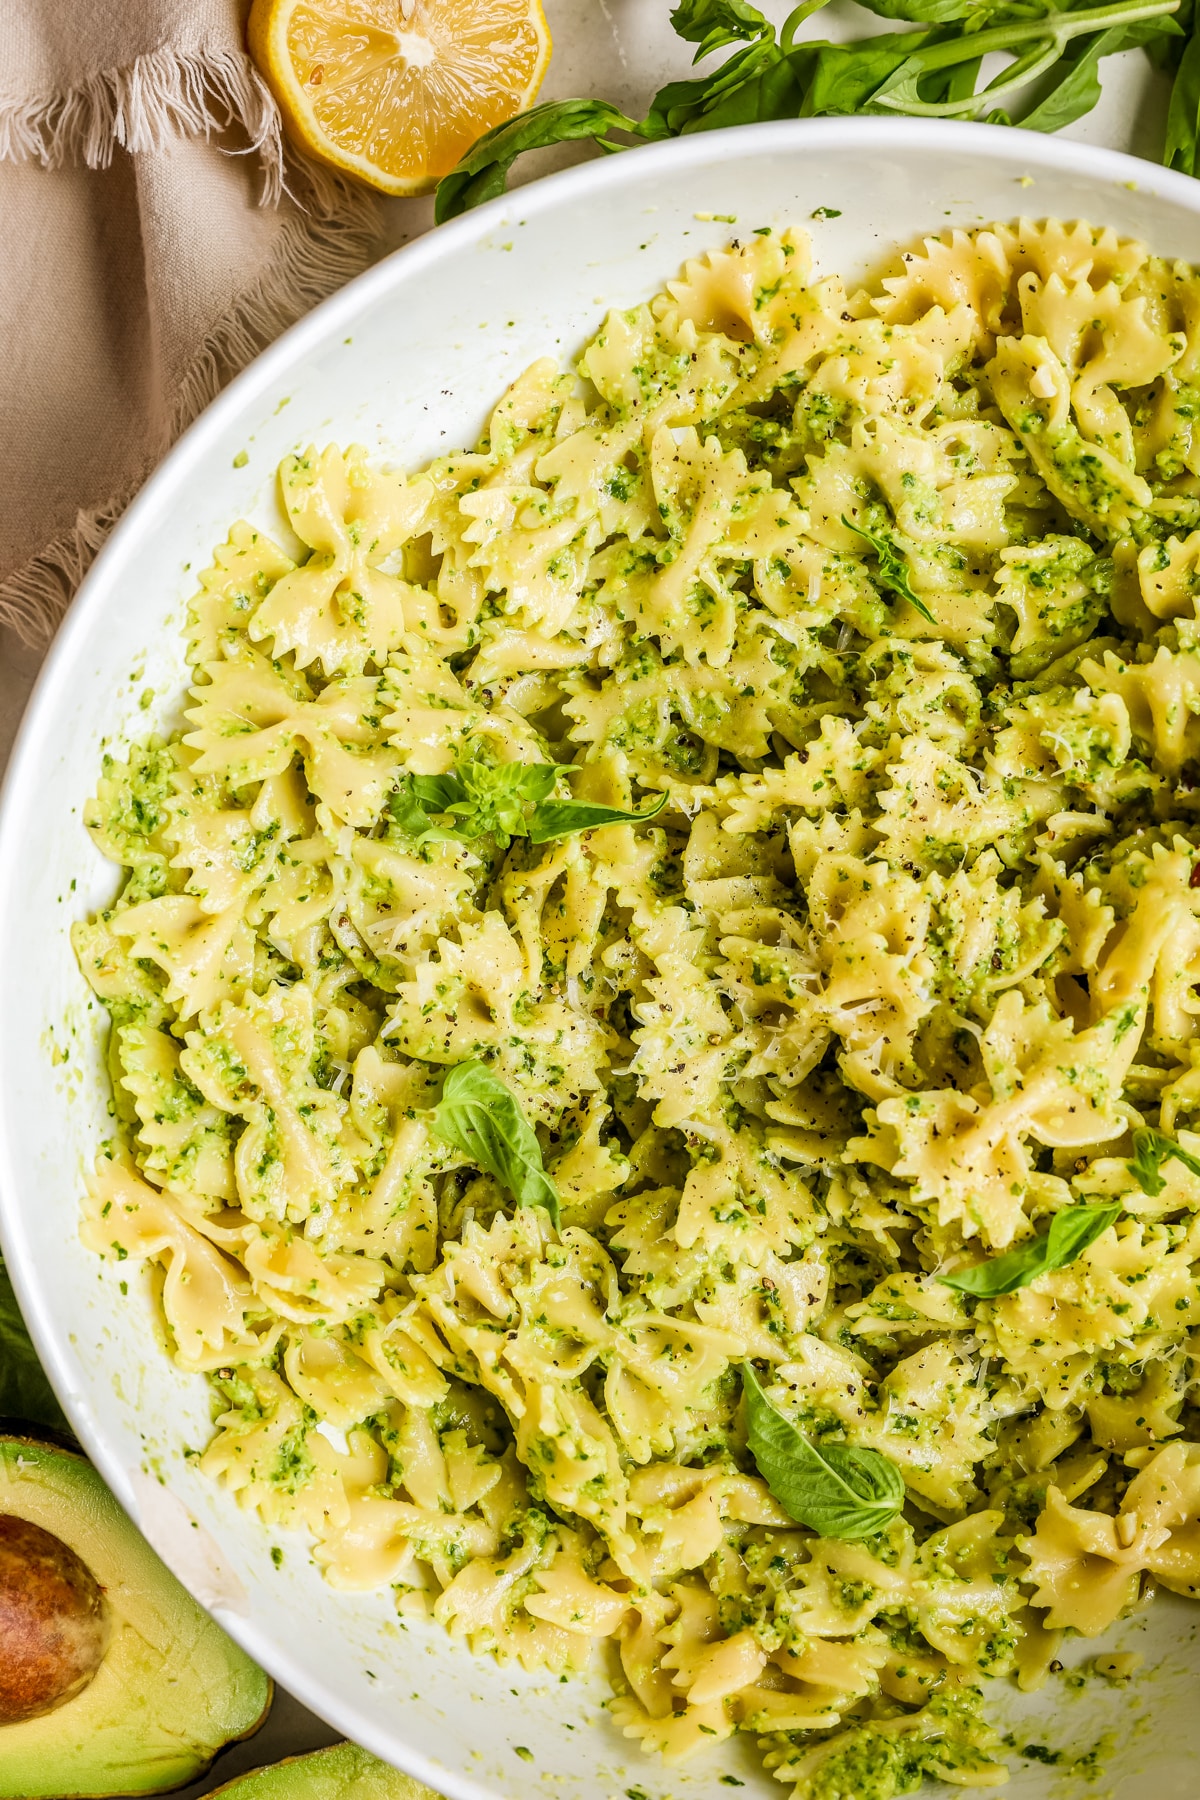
[171, 1690]
[343, 1772]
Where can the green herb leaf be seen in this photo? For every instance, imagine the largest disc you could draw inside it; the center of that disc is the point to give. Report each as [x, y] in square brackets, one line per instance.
[1075, 86]
[713, 23]
[1151, 1149]
[925, 12]
[435, 793]
[1182, 147]
[892, 572]
[481, 1117]
[483, 171]
[836, 1489]
[498, 800]
[559, 818]
[1070, 1233]
[406, 811]
[756, 83]
[1034, 45]
[24, 1391]
[929, 71]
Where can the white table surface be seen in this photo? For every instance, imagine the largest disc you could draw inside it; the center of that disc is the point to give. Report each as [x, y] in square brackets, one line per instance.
[622, 50]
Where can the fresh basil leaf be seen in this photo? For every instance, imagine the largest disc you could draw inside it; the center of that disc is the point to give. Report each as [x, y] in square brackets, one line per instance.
[495, 796]
[1151, 1149]
[730, 95]
[499, 800]
[25, 1392]
[483, 171]
[714, 23]
[1035, 45]
[1070, 1233]
[837, 1490]
[1182, 147]
[892, 572]
[481, 1117]
[925, 12]
[559, 818]
[437, 792]
[406, 811]
[1075, 87]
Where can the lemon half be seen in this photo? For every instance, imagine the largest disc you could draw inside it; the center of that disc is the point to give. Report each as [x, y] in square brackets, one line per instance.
[396, 91]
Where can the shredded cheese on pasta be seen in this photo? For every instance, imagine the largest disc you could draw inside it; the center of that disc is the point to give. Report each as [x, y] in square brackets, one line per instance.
[894, 595]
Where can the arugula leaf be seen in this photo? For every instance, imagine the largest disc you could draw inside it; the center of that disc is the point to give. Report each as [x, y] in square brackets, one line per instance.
[483, 171]
[892, 573]
[25, 1392]
[713, 23]
[481, 1117]
[837, 1490]
[1070, 1233]
[559, 818]
[1151, 1149]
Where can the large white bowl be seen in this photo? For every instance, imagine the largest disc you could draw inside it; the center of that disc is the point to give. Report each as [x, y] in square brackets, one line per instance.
[407, 360]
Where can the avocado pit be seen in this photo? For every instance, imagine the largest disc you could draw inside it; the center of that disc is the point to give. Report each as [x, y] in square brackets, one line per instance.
[53, 1621]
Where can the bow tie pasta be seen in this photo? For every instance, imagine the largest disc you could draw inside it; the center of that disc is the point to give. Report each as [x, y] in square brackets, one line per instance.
[769, 763]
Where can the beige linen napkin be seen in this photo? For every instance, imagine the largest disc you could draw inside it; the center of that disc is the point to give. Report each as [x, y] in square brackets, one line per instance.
[157, 235]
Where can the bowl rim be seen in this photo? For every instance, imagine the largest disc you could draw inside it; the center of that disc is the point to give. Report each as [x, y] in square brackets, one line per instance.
[572, 186]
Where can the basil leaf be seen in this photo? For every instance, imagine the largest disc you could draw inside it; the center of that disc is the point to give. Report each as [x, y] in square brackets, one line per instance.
[837, 1490]
[406, 810]
[1151, 1149]
[756, 83]
[437, 792]
[494, 797]
[559, 818]
[925, 12]
[1076, 85]
[1070, 1233]
[499, 800]
[483, 171]
[892, 572]
[1182, 148]
[481, 1117]
[929, 70]
[25, 1392]
[714, 23]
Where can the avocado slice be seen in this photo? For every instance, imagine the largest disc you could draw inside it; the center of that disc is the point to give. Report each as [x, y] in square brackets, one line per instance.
[343, 1772]
[169, 1689]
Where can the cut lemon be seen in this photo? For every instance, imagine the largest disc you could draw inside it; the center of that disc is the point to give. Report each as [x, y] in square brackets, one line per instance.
[396, 91]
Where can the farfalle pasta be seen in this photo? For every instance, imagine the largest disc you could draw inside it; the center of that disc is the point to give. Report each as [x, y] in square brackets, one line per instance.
[855, 640]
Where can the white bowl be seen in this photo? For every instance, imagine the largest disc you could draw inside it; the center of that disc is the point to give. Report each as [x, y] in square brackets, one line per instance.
[408, 360]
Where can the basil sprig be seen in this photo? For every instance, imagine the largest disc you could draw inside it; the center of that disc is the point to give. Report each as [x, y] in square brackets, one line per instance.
[25, 1393]
[934, 69]
[838, 1490]
[501, 801]
[891, 572]
[481, 1117]
[1151, 1149]
[1070, 1233]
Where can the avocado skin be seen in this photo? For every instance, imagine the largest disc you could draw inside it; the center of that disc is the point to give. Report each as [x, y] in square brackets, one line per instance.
[343, 1772]
[172, 1689]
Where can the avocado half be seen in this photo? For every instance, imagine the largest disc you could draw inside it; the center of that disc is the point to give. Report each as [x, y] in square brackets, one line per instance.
[170, 1689]
[343, 1772]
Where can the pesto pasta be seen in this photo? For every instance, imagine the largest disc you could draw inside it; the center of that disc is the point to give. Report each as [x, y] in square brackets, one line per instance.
[656, 1002]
